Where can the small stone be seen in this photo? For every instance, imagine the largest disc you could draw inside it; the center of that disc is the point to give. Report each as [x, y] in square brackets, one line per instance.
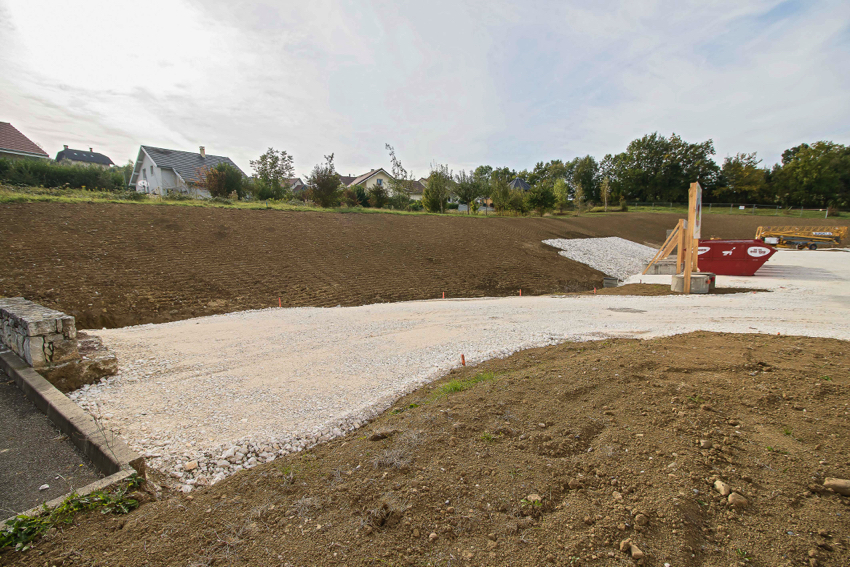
[636, 552]
[625, 545]
[491, 536]
[705, 444]
[574, 484]
[641, 520]
[190, 466]
[450, 510]
[617, 496]
[44, 487]
[534, 498]
[433, 536]
[706, 407]
[416, 532]
[839, 485]
[738, 501]
[722, 488]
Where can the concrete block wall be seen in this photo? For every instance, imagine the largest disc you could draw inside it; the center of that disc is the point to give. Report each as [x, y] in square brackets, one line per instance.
[42, 337]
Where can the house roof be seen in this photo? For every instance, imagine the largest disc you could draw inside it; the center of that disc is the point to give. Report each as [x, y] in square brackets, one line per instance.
[186, 164]
[519, 183]
[11, 140]
[417, 187]
[347, 179]
[84, 156]
[365, 177]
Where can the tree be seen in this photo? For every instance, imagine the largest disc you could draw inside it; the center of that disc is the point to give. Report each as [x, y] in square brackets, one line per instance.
[541, 198]
[816, 175]
[468, 188]
[578, 196]
[605, 190]
[324, 183]
[585, 171]
[213, 181]
[401, 185]
[742, 180]
[274, 168]
[500, 192]
[438, 189]
[562, 194]
[378, 196]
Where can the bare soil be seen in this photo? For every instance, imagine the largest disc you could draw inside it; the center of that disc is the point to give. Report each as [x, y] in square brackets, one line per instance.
[551, 456]
[113, 265]
[648, 290]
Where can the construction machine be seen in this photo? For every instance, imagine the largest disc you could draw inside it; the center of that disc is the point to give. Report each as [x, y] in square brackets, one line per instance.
[801, 237]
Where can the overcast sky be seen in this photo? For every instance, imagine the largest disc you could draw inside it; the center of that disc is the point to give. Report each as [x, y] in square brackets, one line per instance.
[457, 82]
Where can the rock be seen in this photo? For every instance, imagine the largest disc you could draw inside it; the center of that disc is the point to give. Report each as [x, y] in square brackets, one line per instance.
[574, 484]
[186, 488]
[705, 444]
[839, 485]
[722, 488]
[636, 553]
[450, 510]
[433, 536]
[44, 487]
[738, 501]
[416, 532]
[625, 545]
[641, 520]
[190, 466]
[491, 536]
[534, 498]
[617, 496]
[706, 407]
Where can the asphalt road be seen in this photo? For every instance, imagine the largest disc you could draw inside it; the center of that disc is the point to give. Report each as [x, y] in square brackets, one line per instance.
[34, 453]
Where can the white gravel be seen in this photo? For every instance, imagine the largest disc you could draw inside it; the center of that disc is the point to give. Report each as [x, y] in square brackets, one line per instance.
[229, 391]
[613, 256]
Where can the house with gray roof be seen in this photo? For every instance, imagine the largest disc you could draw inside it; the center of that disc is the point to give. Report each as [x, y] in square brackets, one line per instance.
[82, 157]
[159, 171]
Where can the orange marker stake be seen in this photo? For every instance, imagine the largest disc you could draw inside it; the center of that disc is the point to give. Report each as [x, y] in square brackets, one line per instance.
[444, 295]
[520, 292]
[279, 304]
[594, 291]
[462, 360]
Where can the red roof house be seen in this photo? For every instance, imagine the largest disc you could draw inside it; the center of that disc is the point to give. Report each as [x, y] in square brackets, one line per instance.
[13, 144]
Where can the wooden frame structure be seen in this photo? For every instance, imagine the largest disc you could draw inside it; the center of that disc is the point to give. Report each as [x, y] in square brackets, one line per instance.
[685, 238]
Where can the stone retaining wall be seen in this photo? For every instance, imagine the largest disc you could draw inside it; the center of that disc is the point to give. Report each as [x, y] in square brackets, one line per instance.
[47, 340]
[41, 336]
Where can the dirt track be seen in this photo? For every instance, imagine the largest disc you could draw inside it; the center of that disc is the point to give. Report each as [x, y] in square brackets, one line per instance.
[113, 265]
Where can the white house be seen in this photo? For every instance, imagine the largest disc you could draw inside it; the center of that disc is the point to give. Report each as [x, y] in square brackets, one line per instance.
[159, 171]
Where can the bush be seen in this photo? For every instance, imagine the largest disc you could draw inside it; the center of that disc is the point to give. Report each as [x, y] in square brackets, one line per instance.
[221, 201]
[623, 205]
[44, 173]
[378, 196]
[415, 205]
[453, 206]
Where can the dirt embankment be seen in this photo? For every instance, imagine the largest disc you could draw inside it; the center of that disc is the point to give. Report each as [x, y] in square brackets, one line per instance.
[551, 456]
[112, 265]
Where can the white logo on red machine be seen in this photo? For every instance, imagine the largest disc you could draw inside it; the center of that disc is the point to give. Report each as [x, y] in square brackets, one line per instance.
[703, 249]
[758, 251]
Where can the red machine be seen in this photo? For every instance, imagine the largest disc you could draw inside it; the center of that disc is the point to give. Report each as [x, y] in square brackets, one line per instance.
[733, 257]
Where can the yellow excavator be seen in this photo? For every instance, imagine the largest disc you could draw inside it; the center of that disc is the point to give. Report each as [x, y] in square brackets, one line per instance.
[801, 237]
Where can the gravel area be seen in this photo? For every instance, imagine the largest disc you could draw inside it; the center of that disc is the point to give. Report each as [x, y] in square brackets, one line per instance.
[613, 256]
[206, 397]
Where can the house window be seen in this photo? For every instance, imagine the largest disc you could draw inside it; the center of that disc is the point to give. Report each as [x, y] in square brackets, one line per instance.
[380, 182]
[151, 170]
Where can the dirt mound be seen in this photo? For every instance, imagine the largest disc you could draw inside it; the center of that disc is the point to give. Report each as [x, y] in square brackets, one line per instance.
[113, 265]
[552, 456]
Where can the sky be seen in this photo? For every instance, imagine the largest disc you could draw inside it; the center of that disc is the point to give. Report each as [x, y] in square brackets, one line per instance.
[456, 82]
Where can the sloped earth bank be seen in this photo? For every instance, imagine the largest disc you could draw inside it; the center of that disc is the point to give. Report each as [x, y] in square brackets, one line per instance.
[113, 265]
[552, 456]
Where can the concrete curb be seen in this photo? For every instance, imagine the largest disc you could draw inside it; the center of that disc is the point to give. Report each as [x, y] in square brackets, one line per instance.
[108, 452]
[101, 484]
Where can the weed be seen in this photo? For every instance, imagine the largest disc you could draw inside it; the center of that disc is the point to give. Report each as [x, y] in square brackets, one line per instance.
[488, 437]
[22, 530]
[397, 411]
[696, 399]
[786, 431]
[455, 385]
[744, 555]
[827, 378]
[771, 449]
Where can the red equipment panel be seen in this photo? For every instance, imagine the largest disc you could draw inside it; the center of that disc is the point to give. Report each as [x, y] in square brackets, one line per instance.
[733, 257]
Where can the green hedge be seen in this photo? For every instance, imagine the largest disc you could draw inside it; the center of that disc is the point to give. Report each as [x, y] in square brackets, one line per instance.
[43, 173]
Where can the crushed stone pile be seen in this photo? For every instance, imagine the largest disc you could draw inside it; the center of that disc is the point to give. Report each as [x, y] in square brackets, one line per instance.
[613, 256]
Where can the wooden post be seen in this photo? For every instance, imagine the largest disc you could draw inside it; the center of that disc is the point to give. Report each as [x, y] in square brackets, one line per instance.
[693, 233]
[680, 251]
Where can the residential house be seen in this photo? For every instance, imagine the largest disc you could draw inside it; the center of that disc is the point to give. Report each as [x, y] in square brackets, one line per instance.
[14, 145]
[368, 180]
[520, 183]
[81, 157]
[159, 171]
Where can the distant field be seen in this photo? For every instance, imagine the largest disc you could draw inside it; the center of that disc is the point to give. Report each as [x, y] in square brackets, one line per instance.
[112, 265]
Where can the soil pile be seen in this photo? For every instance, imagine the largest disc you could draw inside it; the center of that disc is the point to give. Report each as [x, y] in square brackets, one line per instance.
[698, 449]
[113, 265]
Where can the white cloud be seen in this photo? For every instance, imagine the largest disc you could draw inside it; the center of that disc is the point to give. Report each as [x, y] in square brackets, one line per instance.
[458, 82]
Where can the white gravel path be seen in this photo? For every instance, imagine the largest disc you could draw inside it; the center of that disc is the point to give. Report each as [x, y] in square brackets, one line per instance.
[229, 391]
[613, 256]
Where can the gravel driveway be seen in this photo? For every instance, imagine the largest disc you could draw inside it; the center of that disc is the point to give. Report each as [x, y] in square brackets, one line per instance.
[206, 397]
